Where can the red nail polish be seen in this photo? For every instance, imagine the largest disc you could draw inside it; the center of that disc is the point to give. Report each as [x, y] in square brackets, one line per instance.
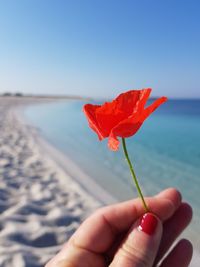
[148, 223]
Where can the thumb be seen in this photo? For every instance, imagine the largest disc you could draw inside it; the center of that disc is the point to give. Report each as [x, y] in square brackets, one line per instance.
[140, 247]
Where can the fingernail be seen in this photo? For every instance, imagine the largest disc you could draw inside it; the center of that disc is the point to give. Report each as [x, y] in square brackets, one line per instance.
[148, 223]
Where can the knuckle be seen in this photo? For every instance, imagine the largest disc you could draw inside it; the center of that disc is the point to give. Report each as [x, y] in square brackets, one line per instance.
[136, 255]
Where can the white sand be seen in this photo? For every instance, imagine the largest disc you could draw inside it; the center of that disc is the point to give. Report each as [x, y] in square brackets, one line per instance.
[40, 204]
[43, 195]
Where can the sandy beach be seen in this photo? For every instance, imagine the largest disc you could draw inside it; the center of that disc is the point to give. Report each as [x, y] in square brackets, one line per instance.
[40, 204]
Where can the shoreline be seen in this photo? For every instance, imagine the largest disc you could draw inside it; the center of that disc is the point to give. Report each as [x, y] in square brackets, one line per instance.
[65, 163]
[76, 174]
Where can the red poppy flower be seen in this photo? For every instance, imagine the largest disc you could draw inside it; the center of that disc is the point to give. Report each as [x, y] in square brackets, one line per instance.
[122, 117]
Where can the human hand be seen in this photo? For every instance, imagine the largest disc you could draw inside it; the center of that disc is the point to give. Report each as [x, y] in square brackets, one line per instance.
[116, 236]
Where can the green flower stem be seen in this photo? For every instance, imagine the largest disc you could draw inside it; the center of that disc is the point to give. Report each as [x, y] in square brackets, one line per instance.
[133, 175]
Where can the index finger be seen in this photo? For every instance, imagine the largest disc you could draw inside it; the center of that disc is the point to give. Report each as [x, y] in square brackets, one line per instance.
[99, 231]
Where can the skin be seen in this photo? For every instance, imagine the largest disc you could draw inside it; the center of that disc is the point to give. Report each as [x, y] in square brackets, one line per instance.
[108, 237]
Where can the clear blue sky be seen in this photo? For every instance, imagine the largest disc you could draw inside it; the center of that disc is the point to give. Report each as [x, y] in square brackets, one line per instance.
[100, 47]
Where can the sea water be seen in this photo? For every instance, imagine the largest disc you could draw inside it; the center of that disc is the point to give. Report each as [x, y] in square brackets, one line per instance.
[165, 152]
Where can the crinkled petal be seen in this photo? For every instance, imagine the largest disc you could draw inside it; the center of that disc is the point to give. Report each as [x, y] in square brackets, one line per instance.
[132, 101]
[144, 96]
[90, 112]
[108, 116]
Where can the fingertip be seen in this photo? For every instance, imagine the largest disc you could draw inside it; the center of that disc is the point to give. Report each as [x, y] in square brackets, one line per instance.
[149, 222]
[186, 211]
[173, 195]
[162, 208]
[181, 254]
[185, 245]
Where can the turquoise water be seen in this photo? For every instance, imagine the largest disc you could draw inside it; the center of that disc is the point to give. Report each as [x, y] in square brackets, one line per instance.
[165, 152]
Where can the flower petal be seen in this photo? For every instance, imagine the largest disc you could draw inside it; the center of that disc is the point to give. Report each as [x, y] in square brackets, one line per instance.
[132, 101]
[127, 127]
[108, 116]
[144, 96]
[90, 112]
[153, 107]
